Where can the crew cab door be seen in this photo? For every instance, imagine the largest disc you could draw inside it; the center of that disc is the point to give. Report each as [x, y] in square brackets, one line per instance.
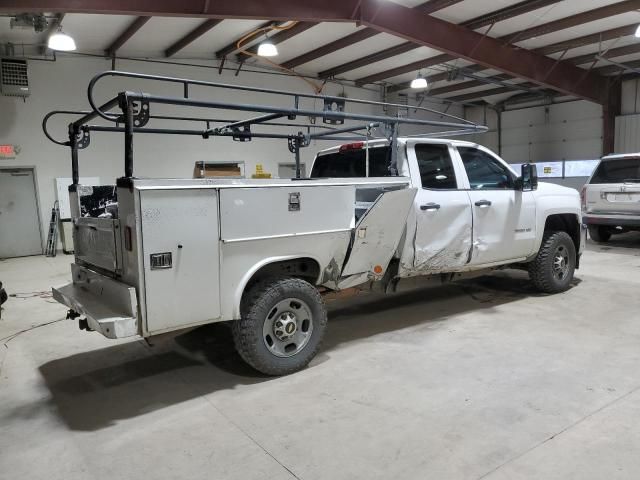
[503, 217]
[439, 226]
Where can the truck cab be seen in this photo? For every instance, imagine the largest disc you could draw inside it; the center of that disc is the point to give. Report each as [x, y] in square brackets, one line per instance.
[471, 211]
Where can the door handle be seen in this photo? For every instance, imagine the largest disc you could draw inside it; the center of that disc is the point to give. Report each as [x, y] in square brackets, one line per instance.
[430, 206]
[483, 203]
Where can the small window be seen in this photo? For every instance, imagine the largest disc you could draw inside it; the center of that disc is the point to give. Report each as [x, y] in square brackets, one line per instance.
[436, 167]
[485, 172]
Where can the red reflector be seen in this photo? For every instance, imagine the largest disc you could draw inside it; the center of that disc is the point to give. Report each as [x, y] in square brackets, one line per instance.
[351, 146]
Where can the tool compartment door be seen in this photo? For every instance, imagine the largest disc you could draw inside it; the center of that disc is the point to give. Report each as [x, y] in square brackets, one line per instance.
[181, 257]
[378, 232]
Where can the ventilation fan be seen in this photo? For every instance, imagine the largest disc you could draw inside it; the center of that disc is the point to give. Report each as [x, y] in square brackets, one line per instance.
[14, 81]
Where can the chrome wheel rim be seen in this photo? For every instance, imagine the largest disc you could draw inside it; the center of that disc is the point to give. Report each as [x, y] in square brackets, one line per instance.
[561, 263]
[287, 327]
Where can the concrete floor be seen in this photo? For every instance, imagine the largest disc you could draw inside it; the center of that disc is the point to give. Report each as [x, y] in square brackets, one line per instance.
[485, 379]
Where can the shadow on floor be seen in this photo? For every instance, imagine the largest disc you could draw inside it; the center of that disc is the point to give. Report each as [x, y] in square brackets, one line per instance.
[624, 243]
[94, 389]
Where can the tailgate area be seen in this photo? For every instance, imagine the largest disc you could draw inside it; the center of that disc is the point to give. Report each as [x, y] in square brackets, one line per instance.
[109, 306]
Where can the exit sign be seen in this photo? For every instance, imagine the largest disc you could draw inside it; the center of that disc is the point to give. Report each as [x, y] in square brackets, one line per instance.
[7, 151]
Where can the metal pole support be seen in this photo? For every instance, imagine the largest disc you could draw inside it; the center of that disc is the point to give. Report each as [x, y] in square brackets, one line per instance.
[73, 143]
[127, 111]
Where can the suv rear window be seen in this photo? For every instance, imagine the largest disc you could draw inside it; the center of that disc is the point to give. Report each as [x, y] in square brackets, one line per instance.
[617, 171]
[352, 163]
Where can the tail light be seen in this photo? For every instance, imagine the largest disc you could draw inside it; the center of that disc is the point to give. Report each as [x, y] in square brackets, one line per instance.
[583, 197]
[351, 146]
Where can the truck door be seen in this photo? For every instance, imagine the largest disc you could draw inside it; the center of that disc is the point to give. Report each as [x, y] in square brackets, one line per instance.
[441, 215]
[504, 223]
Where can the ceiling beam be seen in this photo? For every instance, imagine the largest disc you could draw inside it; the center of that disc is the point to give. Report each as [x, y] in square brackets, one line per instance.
[233, 46]
[611, 53]
[578, 60]
[473, 24]
[190, 37]
[573, 21]
[359, 36]
[470, 84]
[461, 42]
[124, 37]
[602, 36]
[546, 50]
[527, 86]
[282, 35]
[369, 59]
[280, 10]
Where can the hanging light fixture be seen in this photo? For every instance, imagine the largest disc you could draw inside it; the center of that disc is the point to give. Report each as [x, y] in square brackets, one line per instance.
[61, 41]
[267, 49]
[419, 82]
[638, 32]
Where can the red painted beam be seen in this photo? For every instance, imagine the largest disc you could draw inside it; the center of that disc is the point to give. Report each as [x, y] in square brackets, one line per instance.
[359, 36]
[124, 37]
[190, 37]
[281, 10]
[461, 42]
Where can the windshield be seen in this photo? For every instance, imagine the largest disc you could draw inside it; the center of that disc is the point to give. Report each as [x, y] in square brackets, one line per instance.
[617, 171]
[352, 163]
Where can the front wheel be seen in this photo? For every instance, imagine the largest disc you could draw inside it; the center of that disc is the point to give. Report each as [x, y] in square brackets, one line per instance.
[552, 269]
[599, 233]
[282, 325]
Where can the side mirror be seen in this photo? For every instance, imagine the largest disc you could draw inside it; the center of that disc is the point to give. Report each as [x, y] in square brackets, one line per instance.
[528, 180]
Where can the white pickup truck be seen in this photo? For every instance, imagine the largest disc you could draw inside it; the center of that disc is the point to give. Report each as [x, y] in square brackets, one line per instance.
[171, 254]
[260, 252]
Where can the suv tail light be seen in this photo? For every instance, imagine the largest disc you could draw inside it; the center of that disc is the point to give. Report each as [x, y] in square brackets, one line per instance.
[583, 197]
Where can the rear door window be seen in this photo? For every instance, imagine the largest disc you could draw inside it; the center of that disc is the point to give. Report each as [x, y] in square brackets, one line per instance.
[352, 163]
[436, 167]
[617, 171]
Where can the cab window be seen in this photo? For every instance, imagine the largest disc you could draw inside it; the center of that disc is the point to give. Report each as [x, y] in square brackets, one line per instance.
[436, 167]
[484, 171]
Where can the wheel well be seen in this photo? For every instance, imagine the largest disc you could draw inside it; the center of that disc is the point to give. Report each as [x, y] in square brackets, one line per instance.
[565, 222]
[305, 268]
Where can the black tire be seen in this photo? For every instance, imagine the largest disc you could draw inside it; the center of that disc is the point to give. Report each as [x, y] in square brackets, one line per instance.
[599, 233]
[266, 302]
[547, 272]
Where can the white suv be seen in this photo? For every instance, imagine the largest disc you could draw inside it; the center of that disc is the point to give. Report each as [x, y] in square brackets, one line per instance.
[611, 197]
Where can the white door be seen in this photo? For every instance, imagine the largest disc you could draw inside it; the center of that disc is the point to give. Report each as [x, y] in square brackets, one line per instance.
[503, 217]
[441, 215]
[19, 218]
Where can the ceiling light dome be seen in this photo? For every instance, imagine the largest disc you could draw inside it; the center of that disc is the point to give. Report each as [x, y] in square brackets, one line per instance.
[419, 82]
[62, 42]
[267, 49]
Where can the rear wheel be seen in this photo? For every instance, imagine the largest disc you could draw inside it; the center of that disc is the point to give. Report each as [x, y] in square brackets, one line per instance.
[599, 233]
[282, 325]
[552, 269]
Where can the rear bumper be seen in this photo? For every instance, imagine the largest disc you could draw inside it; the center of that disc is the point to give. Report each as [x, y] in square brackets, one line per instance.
[110, 307]
[612, 220]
